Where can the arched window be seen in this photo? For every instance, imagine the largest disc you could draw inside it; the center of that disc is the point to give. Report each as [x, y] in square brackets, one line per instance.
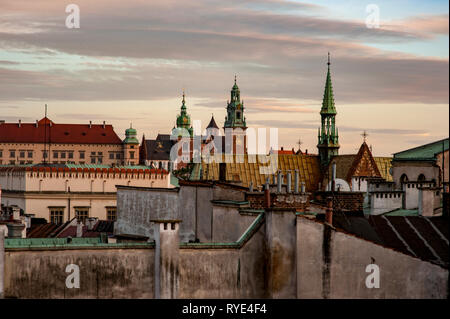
[403, 178]
[421, 178]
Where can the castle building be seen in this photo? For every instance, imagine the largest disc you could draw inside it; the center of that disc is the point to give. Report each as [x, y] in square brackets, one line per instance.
[51, 143]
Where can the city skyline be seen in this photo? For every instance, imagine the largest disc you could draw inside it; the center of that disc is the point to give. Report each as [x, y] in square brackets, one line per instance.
[130, 62]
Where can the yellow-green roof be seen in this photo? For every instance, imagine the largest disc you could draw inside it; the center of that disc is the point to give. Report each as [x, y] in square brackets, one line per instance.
[384, 165]
[247, 168]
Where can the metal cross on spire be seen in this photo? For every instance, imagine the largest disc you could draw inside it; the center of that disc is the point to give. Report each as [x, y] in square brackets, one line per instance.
[364, 135]
[299, 143]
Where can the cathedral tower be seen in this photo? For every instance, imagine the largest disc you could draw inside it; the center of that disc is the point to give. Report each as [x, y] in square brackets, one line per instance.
[235, 120]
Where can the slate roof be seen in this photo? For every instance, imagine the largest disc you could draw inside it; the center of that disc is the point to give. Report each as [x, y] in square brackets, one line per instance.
[426, 238]
[423, 152]
[58, 133]
[246, 169]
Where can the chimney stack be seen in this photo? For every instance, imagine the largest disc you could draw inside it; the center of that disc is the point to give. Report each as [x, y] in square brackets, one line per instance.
[250, 188]
[90, 124]
[329, 212]
[296, 181]
[333, 177]
[279, 181]
[79, 229]
[104, 124]
[20, 122]
[267, 196]
[37, 123]
[288, 182]
[303, 188]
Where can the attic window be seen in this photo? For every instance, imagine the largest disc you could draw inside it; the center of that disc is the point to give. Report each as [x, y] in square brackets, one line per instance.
[84, 133]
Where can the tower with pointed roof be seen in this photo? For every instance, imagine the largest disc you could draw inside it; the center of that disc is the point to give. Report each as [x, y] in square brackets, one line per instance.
[235, 120]
[184, 120]
[328, 138]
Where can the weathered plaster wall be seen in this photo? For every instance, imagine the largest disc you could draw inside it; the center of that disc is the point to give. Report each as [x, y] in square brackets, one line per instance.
[228, 224]
[104, 273]
[137, 206]
[333, 265]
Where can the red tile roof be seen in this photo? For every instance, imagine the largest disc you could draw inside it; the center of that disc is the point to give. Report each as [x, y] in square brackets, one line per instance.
[58, 133]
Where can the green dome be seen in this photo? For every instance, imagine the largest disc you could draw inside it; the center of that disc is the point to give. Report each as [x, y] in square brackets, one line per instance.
[130, 136]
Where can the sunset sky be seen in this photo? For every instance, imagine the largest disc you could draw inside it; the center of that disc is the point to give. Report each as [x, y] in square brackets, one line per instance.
[130, 60]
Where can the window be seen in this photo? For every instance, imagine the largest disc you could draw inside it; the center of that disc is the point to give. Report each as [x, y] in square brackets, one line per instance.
[81, 155]
[92, 153]
[403, 178]
[1, 153]
[111, 155]
[30, 154]
[421, 178]
[12, 162]
[238, 115]
[99, 160]
[70, 155]
[111, 214]
[44, 154]
[131, 154]
[82, 213]
[55, 154]
[100, 153]
[22, 154]
[57, 215]
[12, 154]
[92, 160]
[118, 156]
[63, 154]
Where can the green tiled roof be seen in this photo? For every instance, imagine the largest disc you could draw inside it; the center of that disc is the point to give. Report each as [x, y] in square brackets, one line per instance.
[424, 152]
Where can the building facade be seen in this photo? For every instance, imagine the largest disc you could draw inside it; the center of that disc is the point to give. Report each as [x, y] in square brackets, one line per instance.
[53, 143]
[59, 193]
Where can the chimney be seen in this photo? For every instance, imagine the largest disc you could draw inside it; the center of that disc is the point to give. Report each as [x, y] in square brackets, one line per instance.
[333, 177]
[90, 124]
[288, 182]
[296, 181]
[267, 203]
[37, 123]
[222, 172]
[20, 122]
[104, 124]
[303, 188]
[279, 181]
[79, 229]
[250, 188]
[306, 151]
[91, 222]
[329, 212]
[15, 213]
[281, 147]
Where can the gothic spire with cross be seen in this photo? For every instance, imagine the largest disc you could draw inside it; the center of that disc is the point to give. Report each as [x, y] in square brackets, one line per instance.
[328, 138]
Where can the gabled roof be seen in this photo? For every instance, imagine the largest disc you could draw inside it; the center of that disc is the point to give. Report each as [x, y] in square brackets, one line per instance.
[47, 131]
[361, 164]
[423, 152]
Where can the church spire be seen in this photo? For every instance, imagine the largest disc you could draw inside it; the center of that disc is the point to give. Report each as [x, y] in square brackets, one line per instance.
[328, 96]
[328, 140]
[235, 109]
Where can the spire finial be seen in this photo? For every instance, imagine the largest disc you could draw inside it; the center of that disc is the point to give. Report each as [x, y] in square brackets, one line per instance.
[364, 135]
[131, 124]
[235, 76]
[328, 59]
